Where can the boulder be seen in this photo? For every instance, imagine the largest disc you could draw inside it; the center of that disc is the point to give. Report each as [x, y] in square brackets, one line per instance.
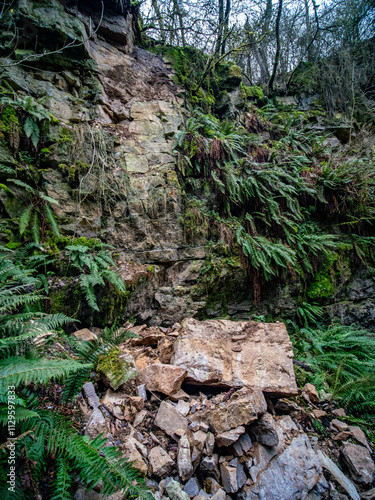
[264, 431]
[160, 462]
[184, 464]
[162, 378]
[231, 353]
[229, 437]
[170, 420]
[241, 409]
[359, 462]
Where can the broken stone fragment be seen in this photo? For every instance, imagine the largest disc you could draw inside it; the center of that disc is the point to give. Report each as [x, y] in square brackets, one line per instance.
[204, 348]
[162, 378]
[310, 391]
[359, 462]
[170, 420]
[175, 492]
[85, 334]
[184, 462]
[90, 394]
[264, 431]
[319, 413]
[132, 452]
[192, 487]
[139, 418]
[160, 462]
[232, 478]
[183, 407]
[210, 467]
[242, 408]
[210, 444]
[243, 445]
[229, 437]
[359, 436]
[340, 426]
[339, 412]
[96, 424]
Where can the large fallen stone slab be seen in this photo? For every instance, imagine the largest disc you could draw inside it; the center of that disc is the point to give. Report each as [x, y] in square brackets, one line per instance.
[232, 354]
[170, 420]
[162, 378]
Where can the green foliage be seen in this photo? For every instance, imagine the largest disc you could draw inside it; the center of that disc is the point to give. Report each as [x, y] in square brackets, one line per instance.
[343, 362]
[45, 437]
[96, 268]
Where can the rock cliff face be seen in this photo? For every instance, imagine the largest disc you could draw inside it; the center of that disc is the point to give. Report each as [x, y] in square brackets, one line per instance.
[110, 163]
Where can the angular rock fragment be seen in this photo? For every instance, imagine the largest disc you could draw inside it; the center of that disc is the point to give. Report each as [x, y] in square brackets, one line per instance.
[175, 492]
[132, 453]
[265, 361]
[232, 478]
[242, 408]
[170, 420]
[184, 462]
[90, 394]
[162, 378]
[229, 437]
[160, 462]
[210, 467]
[359, 462]
[85, 334]
[192, 487]
[96, 424]
[310, 391]
[359, 436]
[264, 431]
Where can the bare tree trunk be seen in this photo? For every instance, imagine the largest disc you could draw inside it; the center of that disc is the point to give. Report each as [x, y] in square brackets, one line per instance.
[160, 20]
[220, 27]
[308, 30]
[226, 25]
[277, 55]
[177, 11]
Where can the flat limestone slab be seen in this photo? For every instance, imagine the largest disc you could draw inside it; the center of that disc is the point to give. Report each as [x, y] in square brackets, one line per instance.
[232, 354]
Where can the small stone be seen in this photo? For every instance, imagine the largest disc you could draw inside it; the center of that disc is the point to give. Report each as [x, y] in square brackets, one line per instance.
[161, 463]
[85, 334]
[198, 439]
[180, 394]
[359, 436]
[96, 424]
[203, 427]
[169, 419]
[210, 466]
[192, 487]
[310, 391]
[339, 412]
[319, 413]
[219, 495]
[210, 444]
[341, 426]
[139, 418]
[245, 442]
[229, 437]
[368, 495]
[359, 462]
[90, 394]
[141, 390]
[233, 478]
[184, 463]
[287, 406]
[183, 407]
[194, 426]
[175, 492]
[342, 436]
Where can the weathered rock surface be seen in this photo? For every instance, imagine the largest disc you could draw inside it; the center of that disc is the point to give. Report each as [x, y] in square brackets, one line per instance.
[264, 431]
[162, 378]
[242, 408]
[170, 420]
[229, 437]
[359, 462]
[226, 353]
[184, 463]
[160, 462]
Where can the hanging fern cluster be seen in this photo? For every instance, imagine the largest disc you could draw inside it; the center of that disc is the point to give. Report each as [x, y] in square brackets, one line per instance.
[273, 196]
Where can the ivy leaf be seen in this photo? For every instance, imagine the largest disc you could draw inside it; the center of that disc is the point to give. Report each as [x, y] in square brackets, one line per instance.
[32, 130]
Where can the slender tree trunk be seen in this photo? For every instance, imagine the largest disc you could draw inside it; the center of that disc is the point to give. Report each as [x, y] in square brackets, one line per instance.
[308, 30]
[220, 27]
[160, 20]
[177, 11]
[277, 55]
[226, 25]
